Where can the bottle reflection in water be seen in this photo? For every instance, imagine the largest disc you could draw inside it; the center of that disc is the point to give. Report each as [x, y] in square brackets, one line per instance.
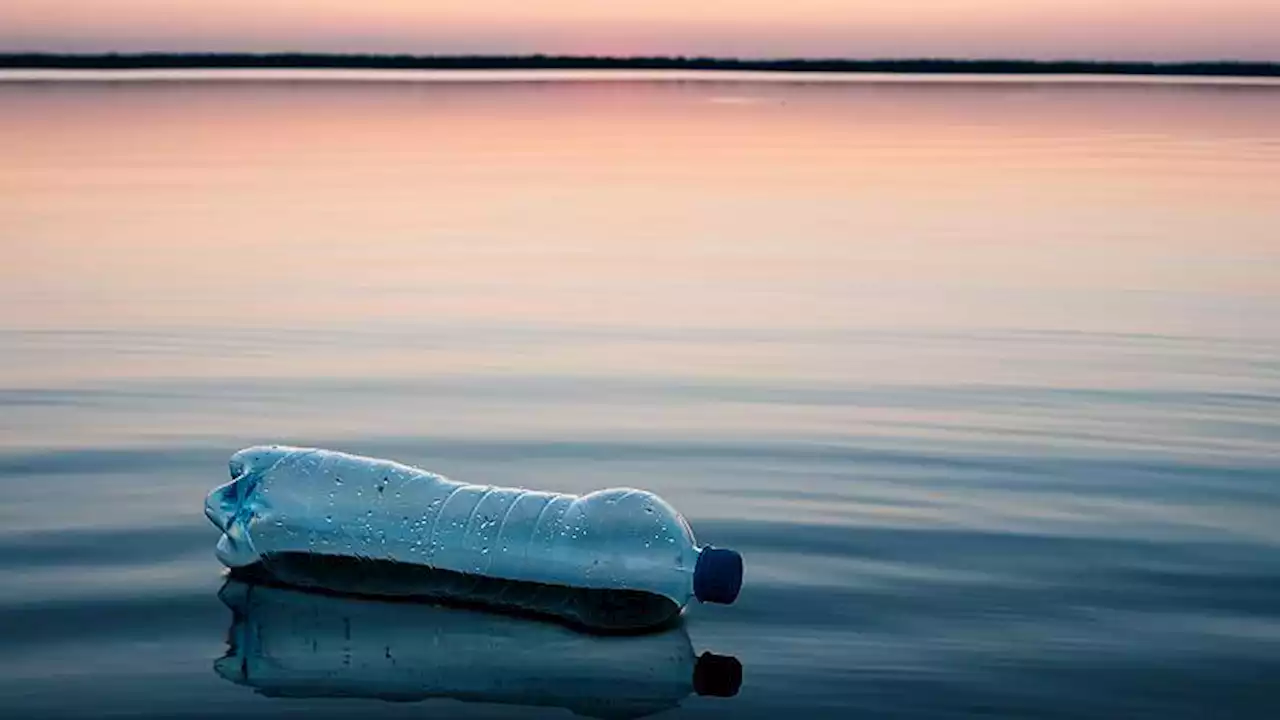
[292, 643]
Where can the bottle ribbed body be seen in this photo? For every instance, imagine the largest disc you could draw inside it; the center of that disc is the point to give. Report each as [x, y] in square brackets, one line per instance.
[285, 500]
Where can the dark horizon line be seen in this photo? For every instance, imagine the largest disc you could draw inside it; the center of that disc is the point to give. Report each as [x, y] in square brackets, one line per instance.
[374, 61]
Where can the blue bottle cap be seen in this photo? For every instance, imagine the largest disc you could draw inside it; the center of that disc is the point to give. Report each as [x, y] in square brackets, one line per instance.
[717, 577]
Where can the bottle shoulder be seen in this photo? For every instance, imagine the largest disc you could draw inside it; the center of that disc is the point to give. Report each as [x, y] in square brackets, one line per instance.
[634, 508]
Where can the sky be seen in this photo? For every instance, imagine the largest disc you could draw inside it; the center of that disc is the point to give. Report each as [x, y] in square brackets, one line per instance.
[1038, 29]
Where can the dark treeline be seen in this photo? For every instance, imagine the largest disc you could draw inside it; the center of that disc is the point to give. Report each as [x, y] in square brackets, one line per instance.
[140, 61]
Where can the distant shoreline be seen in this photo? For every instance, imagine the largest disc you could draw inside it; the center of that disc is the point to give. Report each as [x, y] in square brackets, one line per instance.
[298, 61]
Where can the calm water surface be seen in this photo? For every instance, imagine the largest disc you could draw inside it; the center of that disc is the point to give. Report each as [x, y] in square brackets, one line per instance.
[983, 379]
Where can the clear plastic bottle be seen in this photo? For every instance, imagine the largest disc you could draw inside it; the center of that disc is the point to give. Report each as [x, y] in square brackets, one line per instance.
[287, 501]
[289, 643]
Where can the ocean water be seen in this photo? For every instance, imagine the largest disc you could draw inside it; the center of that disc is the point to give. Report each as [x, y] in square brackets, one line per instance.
[982, 377]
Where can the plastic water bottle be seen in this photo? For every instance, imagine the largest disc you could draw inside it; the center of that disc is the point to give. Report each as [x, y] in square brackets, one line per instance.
[290, 643]
[287, 508]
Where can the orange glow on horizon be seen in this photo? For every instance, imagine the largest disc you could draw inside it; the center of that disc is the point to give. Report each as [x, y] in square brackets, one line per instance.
[606, 202]
[1100, 29]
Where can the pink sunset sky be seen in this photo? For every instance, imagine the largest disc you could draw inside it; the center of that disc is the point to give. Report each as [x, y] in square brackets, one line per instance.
[1041, 29]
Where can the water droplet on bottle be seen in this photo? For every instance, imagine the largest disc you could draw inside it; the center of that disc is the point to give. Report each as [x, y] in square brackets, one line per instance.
[328, 519]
